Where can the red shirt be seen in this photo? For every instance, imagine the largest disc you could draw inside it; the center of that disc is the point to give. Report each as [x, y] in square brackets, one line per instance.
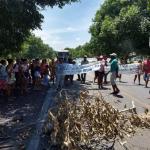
[43, 67]
[146, 66]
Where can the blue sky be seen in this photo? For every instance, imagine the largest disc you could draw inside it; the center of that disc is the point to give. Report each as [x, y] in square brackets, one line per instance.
[68, 27]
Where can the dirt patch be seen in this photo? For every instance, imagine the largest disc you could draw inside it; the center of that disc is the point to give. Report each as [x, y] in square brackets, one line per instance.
[17, 118]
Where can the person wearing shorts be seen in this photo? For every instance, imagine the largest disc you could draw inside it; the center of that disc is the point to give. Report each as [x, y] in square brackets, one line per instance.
[146, 70]
[146, 76]
[114, 72]
[138, 72]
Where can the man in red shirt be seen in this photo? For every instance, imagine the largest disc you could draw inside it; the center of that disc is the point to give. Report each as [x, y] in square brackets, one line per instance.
[146, 70]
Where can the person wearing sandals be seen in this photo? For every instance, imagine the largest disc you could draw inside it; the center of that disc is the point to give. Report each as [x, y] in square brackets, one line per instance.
[114, 68]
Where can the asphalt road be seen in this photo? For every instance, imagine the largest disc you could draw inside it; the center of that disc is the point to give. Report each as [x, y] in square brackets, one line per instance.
[128, 92]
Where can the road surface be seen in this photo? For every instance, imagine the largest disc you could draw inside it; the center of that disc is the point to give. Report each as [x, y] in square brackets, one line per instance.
[128, 92]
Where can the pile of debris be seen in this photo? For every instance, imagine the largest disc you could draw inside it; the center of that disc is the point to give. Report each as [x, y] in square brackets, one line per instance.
[88, 124]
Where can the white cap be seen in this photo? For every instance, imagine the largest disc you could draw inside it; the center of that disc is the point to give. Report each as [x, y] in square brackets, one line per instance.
[113, 54]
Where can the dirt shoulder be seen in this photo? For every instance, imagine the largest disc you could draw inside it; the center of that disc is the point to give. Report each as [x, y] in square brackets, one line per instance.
[18, 117]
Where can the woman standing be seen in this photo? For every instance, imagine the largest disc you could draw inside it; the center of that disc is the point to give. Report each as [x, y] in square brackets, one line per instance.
[138, 72]
[52, 68]
[101, 73]
[11, 77]
[96, 72]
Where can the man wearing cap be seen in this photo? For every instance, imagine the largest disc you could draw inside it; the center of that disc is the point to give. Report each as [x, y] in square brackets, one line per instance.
[114, 71]
[83, 75]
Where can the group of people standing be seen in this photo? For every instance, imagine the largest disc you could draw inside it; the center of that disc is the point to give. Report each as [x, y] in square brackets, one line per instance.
[102, 74]
[143, 68]
[18, 74]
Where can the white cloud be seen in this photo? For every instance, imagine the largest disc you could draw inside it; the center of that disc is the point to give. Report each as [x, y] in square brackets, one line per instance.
[68, 27]
[55, 37]
[78, 39]
[62, 30]
[52, 40]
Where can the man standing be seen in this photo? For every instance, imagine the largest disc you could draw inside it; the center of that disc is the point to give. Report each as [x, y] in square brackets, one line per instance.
[146, 70]
[114, 68]
[83, 75]
[60, 74]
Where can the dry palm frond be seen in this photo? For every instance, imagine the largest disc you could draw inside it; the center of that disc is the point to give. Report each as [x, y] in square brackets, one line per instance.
[75, 124]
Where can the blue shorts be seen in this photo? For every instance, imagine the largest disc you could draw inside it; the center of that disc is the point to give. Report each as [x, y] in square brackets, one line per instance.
[37, 74]
[146, 76]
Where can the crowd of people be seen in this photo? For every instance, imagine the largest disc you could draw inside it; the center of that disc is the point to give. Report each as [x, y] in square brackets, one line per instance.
[142, 68]
[20, 73]
[17, 75]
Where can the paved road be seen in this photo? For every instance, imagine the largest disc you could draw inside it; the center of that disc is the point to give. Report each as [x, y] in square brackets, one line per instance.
[129, 92]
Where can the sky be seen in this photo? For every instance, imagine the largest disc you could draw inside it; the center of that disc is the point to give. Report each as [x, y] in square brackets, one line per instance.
[68, 27]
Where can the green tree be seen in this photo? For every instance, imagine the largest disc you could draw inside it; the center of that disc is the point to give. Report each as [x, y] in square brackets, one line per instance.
[121, 26]
[18, 18]
[81, 50]
[34, 47]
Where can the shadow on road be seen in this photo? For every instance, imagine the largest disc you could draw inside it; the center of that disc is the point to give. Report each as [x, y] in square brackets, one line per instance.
[119, 96]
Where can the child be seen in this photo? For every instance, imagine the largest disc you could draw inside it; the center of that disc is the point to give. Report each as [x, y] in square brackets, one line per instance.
[46, 77]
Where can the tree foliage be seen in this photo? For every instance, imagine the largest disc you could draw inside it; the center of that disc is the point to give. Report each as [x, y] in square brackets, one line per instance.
[34, 47]
[121, 26]
[81, 50]
[18, 18]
